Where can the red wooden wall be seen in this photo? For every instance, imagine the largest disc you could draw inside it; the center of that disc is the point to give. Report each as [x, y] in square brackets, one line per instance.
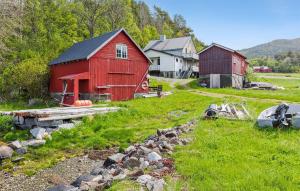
[216, 60]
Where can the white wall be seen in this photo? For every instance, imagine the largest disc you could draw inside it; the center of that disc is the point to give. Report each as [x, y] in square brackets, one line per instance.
[167, 62]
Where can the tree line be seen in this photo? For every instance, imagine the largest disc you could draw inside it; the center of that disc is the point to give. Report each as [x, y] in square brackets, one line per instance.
[284, 62]
[33, 32]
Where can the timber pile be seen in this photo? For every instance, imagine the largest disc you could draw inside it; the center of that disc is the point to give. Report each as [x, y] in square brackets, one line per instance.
[52, 117]
[229, 111]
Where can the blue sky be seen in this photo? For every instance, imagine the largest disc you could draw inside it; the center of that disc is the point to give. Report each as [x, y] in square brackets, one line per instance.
[236, 23]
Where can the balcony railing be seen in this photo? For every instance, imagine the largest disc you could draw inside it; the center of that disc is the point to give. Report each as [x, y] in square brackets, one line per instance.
[190, 56]
[154, 68]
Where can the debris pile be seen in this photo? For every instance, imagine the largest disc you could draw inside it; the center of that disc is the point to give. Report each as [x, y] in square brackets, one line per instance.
[134, 162]
[53, 117]
[282, 116]
[229, 111]
[262, 86]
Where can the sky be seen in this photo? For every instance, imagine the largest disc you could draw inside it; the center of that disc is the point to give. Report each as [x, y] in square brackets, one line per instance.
[237, 24]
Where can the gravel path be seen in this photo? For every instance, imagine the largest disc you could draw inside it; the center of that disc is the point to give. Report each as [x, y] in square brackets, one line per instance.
[64, 172]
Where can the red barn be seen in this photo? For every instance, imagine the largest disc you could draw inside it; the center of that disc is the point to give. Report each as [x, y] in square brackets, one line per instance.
[220, 67]
[108, 67]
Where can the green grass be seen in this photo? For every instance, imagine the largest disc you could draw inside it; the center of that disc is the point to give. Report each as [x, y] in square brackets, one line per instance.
[234, 155]
[17, 105]
[294, 75]
[155, 82]
[290, 93]
[138, 119]
[225, 154]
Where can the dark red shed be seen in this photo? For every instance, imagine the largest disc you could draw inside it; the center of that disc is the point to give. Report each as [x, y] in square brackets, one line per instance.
[220, 66]
[108, 67]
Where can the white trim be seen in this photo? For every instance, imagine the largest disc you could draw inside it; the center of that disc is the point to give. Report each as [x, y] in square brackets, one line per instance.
[217, 45]
[121, 85]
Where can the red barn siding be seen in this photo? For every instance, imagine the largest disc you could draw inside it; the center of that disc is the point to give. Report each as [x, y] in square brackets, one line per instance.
[123, 75]
[59, 70]
[215, 61]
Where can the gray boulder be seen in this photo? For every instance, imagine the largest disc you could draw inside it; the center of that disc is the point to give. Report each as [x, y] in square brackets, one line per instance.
[15, 145]
[145, 150]
[5, 152]
[144, 179]
[21, 151]
[171, 134]
[38, 133]
[62, 187]
[155, 185]
[132, 162]
[33, 143]
[85, 178]
[116, 158]
[153, 157]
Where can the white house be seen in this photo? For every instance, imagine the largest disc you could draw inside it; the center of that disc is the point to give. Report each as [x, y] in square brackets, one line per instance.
[173, 58]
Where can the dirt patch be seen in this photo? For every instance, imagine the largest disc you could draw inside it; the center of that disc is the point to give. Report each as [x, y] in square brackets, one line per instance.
[63, 172]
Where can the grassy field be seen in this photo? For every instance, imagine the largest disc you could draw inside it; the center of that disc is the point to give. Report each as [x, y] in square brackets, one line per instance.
[290, 93]
[236, 155]
[225, 154]
[292, 75]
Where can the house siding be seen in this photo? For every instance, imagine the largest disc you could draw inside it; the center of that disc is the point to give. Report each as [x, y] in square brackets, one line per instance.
[215, 61]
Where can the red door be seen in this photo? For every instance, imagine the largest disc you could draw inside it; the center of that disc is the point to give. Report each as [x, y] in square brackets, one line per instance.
[122, 86]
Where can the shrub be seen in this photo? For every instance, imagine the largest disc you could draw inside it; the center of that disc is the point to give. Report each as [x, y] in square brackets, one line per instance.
[6, 123]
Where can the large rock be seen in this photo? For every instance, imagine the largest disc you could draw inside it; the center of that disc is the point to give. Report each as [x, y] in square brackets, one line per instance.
[153, 157]
[171, 134]
[15, 145]
[38, 133]
[62, 187]
[5, 152]
[22, 150]
[116, 158]
[132, 162]
[145, 150]
[155, 185]
[144, 179]
[85, 178]
[33, 143]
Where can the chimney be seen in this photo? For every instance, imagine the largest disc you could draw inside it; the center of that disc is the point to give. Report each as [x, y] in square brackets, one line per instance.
[162, 37]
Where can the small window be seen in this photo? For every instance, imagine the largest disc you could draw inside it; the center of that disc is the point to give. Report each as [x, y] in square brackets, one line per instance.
[158, 61]
[121, 51]
[176, 59]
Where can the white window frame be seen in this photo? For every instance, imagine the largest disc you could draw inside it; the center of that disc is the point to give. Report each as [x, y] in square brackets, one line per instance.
[123, 54]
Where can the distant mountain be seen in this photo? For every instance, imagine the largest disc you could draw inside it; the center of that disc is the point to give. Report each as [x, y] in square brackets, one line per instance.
[273, 48]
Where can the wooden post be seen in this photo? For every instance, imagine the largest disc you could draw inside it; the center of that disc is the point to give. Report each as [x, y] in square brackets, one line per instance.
[75, 89]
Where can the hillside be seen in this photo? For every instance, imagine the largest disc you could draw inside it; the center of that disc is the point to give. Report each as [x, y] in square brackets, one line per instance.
[272, 48]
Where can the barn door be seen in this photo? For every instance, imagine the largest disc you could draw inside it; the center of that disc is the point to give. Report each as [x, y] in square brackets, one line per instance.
[121, 86]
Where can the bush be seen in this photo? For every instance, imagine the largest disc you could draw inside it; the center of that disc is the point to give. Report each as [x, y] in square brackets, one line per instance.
[6, 123]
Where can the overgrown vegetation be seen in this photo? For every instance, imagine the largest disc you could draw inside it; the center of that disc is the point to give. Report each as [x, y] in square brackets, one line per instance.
[33, 32]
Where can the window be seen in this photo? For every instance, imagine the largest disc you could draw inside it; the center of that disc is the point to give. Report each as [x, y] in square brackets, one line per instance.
[158, 61]
[121, 51]
[176, 59]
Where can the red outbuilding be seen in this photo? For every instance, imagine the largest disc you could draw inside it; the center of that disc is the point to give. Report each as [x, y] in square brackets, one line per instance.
[109, 67]
[220, 67]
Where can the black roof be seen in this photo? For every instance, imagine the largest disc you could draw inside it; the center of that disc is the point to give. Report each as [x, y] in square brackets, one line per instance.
[82, 50]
